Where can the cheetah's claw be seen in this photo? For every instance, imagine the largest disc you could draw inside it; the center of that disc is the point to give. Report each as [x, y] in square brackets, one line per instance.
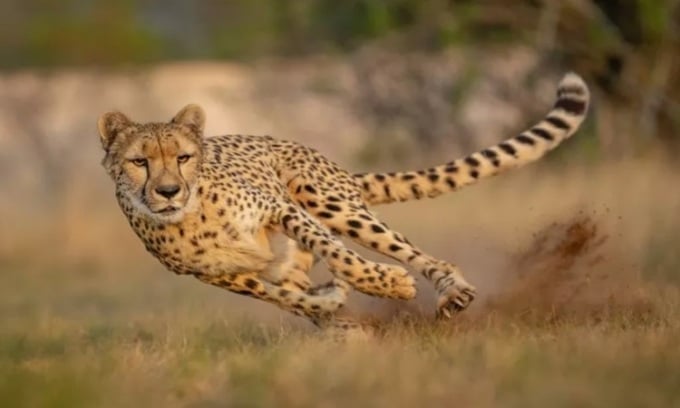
[455, 299]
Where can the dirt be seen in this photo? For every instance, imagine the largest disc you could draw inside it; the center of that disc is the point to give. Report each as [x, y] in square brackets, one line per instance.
[571, 269]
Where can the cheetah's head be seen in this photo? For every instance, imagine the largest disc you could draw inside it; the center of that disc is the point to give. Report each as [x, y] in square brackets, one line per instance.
[155, 165]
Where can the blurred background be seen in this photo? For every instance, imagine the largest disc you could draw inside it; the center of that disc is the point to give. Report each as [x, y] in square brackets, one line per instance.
[373, 84]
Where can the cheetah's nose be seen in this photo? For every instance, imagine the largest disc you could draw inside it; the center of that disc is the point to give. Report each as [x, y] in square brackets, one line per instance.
[168, 191]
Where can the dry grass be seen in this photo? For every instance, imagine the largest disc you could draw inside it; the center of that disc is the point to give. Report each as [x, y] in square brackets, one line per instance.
[578, 270]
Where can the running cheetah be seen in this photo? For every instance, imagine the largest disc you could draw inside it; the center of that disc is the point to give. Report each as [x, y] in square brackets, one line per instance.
[251, 214]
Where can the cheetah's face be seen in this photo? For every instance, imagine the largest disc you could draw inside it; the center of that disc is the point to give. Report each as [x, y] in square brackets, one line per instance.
[155, 165]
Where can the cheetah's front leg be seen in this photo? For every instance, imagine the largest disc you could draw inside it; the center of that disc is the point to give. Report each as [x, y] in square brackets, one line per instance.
[316, 307]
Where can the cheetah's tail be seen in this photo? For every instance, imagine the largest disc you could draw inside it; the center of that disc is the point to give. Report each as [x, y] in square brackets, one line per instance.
[559, 124]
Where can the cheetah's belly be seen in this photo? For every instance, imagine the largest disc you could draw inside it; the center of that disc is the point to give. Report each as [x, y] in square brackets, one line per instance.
[211, 252]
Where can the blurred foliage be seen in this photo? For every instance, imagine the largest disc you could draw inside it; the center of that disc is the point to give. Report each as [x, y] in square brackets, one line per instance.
[628, 48]
[50, 32]
[55, 32]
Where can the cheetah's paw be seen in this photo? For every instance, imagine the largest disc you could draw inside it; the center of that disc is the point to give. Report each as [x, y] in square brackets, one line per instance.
[389, 281]
[454, 298]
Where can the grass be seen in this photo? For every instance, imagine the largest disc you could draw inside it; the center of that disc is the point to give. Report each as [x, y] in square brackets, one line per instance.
[215, 361]
[579, 307]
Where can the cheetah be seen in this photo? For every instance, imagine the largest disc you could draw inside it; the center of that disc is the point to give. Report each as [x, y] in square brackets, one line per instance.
[252, 214]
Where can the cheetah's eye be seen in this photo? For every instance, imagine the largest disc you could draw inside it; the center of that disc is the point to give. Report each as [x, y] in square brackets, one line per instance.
[139, 162]
[183, 158]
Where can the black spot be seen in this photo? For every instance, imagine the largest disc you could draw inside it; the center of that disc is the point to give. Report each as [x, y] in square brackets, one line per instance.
[352, 233]
[474, 174]
[450, 182]
[203, 219]
[214, 198]
[348, 260]
[525, 139]
[325, 214]
[408, 176]
[200, 191]
[394, 247]
[377, 229]
[251, 283]
[386, 189]
[333, 199]
[471, 161]
[433, 177]
[312, 204]
[333, 207]
[380, 177]
[416, 191]
[558, 123]
[573, 106]
[286, 219]
[451, 168]
[354, 223]
[508, 148]
[542, 133]
[488, 153]
[310, 189]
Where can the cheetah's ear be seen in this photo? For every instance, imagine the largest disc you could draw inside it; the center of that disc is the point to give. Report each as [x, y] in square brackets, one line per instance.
[191, 115]
[109, 125]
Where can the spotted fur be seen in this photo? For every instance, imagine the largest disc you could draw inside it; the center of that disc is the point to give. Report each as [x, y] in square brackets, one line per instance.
[250, 214]
[558, 125]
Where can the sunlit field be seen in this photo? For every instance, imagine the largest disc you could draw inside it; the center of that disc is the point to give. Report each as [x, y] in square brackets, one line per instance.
[577, 268]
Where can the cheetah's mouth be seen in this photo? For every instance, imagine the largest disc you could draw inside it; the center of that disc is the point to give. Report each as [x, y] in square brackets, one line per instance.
[167, 210]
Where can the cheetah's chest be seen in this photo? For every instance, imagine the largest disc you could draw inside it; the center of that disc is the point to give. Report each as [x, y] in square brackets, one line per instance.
[199, 246]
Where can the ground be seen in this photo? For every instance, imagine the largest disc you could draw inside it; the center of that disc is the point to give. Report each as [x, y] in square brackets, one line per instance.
[576, 266]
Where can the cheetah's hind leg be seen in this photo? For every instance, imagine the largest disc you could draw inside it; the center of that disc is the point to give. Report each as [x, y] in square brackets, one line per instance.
[372, 278]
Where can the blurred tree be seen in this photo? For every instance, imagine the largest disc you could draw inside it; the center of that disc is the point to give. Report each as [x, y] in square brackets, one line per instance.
[74, 32]
[628, 48]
